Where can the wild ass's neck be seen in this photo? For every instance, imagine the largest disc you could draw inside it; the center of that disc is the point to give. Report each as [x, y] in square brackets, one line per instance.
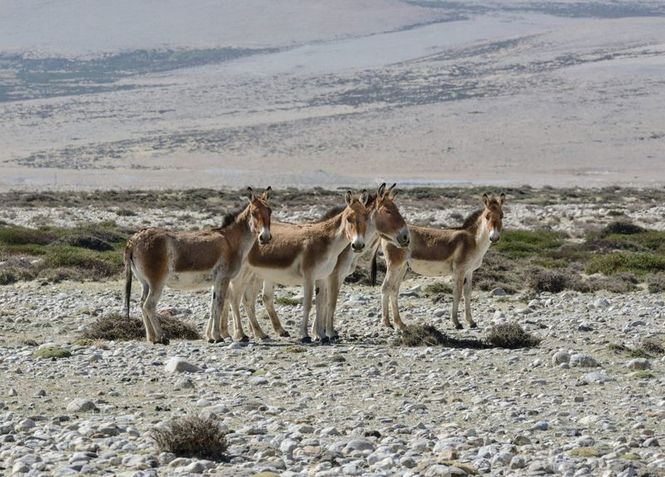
[335, 229]
[482, 234]
[241, 233]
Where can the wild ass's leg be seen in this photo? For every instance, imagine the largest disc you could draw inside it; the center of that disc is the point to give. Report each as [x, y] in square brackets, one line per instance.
[210, 325]
[145, 288]
[308, 292]
[217, 305]
[331, 305]
[269, 304]
[319, 323]
[393, 299]
[390, 291]
[458, 285]
[467, 300]
[153, 329]
[249, 304]
[224, 322]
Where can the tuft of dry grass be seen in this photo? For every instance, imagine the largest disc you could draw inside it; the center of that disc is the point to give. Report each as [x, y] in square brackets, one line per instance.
[52, 353]
[428, 335]
[192, 436]
[116, 327]
[511, 335]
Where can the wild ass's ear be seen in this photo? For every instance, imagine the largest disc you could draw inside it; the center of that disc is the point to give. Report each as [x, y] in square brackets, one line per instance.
[364, 197]
[502, 198]
[266, 193]
[250, 194]
[381, 190]
[486, 199]
[392, 192]
[348, 197]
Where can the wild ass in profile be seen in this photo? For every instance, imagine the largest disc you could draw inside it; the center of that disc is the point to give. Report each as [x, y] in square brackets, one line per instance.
[435, 252]
[299, 255]
[193, 260]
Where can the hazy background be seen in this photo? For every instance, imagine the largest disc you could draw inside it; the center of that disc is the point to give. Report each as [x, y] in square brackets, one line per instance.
[226, 93]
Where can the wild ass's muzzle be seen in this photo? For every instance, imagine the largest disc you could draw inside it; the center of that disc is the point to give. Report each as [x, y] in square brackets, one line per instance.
[265, 236]
[404, 238]
[358, 245]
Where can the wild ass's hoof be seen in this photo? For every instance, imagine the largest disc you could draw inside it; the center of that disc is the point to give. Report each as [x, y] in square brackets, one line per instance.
[265, 339]
[305, 340]
[334, 338]
[285, 334]
[219, 340]
[212, 340]
[473, 325]
[325, 340]
[244, 339]
[459, 326]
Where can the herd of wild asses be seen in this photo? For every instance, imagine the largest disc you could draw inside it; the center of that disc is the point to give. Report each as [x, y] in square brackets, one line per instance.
[248, 253]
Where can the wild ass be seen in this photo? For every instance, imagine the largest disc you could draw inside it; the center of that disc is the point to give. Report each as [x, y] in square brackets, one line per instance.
[435, 252]
[298, 255]
[387, 224]
[193, 260]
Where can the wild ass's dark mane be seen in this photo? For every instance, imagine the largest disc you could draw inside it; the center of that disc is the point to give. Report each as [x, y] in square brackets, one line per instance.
[332, 212]
[230, 217]
[470, 220]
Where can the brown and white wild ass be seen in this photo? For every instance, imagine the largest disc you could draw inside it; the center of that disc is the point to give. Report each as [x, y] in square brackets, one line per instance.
[436, 252]
[388, 224]
[193, 260]
[299, 254]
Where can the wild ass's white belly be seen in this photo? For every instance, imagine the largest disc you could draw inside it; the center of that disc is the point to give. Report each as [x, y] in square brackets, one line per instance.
[431, 268]
[289, 276]
[190, 280]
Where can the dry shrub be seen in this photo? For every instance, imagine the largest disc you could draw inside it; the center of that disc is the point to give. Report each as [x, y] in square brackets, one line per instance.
[656, 283]
[116, 327]
[192, 436]
[511, 335]
[428, 335]
[543, 280]
[622, 228]
[653, 346]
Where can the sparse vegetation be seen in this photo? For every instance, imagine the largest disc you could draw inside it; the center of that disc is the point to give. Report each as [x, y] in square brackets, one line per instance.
[192, 436]
[585, 452]
[511, 335]
[54, 254]
[51, 352]
[294, 349]
[643, 374]
[287, 301]
[116, 327]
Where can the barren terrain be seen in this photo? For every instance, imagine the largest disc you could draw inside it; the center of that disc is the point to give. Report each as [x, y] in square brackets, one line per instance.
[586, 401]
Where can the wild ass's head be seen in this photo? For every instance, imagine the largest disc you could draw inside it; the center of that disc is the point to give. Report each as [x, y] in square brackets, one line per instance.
[355, 219]
[493, 215]
[388, 221]
[259, 214]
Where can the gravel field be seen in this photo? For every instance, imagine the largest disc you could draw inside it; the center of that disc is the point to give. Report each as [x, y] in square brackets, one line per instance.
[575, 405]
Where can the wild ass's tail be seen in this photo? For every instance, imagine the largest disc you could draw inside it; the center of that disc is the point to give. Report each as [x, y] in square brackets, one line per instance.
[128, 277]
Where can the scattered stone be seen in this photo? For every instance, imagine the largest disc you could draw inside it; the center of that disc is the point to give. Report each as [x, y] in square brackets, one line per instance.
[639, 364]
[81, 405]
[583, 361]
[178, 365]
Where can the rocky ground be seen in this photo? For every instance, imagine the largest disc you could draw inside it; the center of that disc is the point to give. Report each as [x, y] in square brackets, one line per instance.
[574, 405]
